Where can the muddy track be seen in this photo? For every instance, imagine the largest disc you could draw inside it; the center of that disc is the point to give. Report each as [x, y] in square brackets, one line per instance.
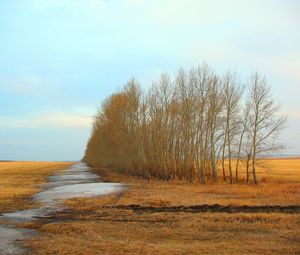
[70, 215]
[216, 208]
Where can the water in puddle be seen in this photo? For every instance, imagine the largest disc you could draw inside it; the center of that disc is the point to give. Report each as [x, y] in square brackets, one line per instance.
[78, 181]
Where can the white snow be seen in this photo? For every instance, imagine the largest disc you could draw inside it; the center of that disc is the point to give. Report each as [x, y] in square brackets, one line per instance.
[77, 190]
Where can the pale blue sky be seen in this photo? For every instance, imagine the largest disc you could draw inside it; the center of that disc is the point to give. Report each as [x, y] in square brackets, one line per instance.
[60, 58]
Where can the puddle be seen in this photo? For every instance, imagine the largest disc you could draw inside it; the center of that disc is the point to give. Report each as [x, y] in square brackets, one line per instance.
[78, 181]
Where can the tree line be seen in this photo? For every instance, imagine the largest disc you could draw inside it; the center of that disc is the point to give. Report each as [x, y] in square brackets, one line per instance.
[195, 126]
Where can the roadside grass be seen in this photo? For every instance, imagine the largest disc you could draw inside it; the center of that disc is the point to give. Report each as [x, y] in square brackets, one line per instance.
[106, 231]
[19, 181]
[90, 226]
[279, 184]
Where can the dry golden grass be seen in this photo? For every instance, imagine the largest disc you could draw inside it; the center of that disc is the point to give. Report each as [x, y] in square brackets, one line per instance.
[18, 182]
[279, 185]
[125, 232]
[285, 170]
[91, 227]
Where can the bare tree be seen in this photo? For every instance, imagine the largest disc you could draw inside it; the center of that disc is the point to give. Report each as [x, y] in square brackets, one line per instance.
[179, 127]
[232, 95]
[265, 121]
[244, 125]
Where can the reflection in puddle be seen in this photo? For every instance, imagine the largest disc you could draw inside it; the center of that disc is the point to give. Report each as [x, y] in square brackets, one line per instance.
[78, 181]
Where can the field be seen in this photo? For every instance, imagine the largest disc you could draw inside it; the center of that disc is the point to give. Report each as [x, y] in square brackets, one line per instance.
[19, 181]
[128, 222]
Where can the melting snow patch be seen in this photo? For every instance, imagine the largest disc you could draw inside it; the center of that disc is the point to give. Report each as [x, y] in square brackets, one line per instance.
[77, 190]
[82, 177]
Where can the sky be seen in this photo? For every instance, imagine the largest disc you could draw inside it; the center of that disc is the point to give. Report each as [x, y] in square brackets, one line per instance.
[60, 58]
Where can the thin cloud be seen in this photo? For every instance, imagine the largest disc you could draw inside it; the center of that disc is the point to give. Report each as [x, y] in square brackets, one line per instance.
[294, 115]
[25, 85]
[55, 119]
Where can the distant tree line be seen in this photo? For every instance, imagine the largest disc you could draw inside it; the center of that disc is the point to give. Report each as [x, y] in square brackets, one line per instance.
[196, 126]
